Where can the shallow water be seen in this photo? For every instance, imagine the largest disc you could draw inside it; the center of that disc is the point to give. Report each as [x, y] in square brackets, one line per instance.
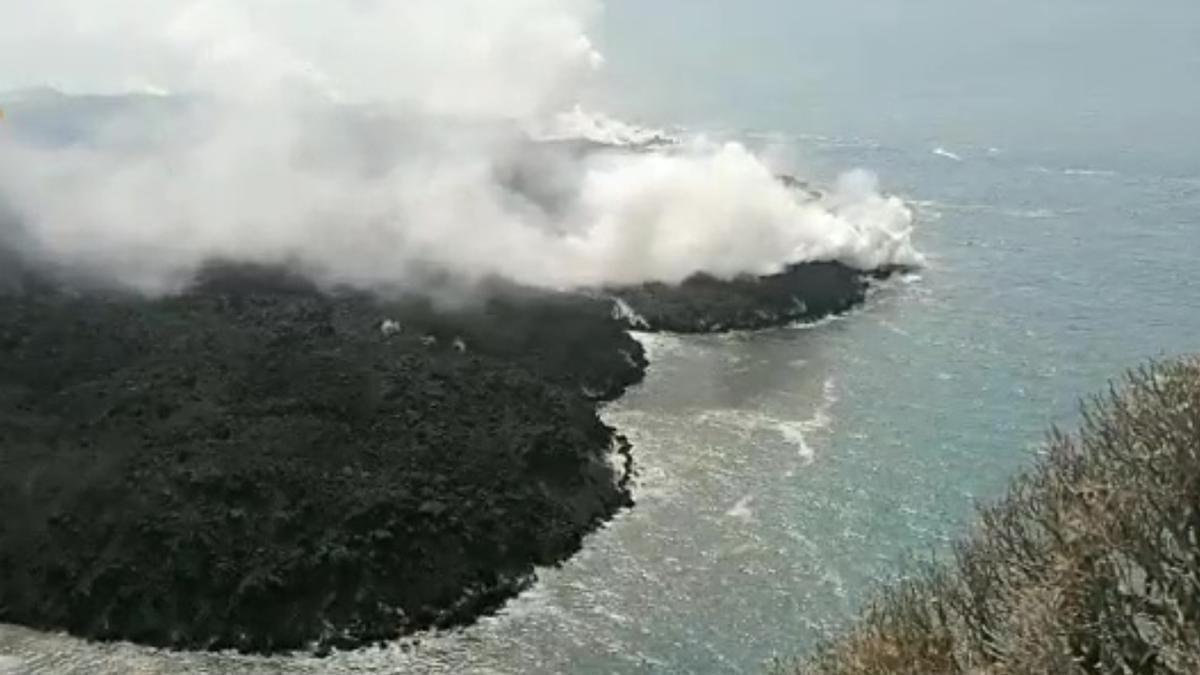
[1057, 174]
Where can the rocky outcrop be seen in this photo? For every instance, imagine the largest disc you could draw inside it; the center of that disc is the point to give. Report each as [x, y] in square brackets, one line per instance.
[258, 465]
[704, 304]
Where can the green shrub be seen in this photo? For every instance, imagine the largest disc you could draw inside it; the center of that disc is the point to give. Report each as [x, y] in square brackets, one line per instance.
[1089, 564]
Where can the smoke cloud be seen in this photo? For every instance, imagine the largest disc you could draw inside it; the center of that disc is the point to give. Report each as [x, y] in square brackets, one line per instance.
[375, 141]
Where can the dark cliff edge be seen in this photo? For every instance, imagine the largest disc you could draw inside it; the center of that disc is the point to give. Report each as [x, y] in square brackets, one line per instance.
[262, 465]
[704, 304]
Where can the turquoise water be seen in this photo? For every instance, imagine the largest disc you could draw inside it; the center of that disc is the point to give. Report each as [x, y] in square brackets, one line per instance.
[1053, 156]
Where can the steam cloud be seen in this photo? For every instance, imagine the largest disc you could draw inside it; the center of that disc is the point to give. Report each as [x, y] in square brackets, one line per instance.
[373, 141]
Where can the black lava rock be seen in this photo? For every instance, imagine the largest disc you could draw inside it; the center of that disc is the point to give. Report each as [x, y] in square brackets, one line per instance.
[704, 304]
[258, 465]
[263, 465]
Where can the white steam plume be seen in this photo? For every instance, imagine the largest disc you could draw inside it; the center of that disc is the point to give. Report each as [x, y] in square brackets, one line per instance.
[372, 140]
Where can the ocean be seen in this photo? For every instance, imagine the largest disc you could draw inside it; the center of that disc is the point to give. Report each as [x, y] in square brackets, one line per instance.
[1052, 154]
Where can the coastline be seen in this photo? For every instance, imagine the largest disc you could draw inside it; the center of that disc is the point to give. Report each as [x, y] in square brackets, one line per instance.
[391, 503]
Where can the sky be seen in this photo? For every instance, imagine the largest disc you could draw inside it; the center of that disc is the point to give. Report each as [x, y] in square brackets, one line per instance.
[1017, 71]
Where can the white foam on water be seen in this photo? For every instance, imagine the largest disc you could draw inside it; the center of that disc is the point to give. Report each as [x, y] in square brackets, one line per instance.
[942, 152]
[661, 346]
[793, 432]
[1097, 173]
[1029, 214]
[819, 323]
[741, 510]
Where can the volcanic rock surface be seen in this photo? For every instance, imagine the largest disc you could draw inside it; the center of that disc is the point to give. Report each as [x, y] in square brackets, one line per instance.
[263, 465]
[705, 304]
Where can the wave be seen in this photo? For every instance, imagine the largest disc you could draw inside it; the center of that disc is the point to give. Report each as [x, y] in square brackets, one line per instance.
[1104, 173]
[742, 510]
[936, 208]
[1076, 172]
[942, 152]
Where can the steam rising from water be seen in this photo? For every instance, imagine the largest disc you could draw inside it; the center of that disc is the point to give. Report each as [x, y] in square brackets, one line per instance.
[373, 141]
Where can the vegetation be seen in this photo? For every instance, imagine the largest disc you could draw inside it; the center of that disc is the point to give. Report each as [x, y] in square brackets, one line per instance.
[1090, 564]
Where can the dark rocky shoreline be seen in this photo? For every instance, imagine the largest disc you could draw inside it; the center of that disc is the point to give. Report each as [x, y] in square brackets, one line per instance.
[262, 465]
[705, 304]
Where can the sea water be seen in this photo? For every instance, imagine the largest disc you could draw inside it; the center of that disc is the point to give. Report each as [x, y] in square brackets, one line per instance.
[1052, 151]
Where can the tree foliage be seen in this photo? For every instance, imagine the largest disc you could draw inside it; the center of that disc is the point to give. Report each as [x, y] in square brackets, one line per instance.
[1090, 564]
